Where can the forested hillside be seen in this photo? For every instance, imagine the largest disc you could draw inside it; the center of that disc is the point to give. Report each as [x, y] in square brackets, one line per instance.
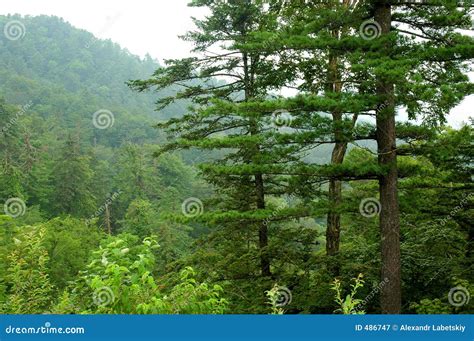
[190, 187]
[65, 166]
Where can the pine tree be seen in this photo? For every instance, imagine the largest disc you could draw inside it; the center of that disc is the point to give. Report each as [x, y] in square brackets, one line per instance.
[11, 172]
[216, 82]
[426, 76]
[325, 70]
[71, 180]
[385, 68]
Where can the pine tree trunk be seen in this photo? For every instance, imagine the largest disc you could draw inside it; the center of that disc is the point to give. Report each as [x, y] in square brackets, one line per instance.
[335, 198]
[390, 298]
[107, 219]
[259, 185]
[263, 229]
[333, 229]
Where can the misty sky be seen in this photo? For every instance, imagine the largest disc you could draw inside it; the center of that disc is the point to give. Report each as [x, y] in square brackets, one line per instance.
[143, 26]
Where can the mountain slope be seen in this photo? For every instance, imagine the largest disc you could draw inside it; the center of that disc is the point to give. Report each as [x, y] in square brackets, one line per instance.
[67, 73]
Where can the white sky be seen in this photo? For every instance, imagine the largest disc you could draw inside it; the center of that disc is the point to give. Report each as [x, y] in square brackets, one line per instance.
[141, 26]
[144, 26]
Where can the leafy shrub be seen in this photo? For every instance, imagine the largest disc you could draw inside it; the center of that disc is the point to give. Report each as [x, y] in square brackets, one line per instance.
[119, 280]
[349, 304]
[29, 288]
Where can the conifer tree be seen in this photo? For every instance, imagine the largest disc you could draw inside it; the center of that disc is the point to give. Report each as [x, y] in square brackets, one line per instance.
[71, 179]
[216, 82]
[11, 173]
[396, 55]
[419, 63]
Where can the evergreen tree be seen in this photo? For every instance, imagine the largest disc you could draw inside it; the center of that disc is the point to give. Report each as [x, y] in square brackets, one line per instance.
[71, 179]
[11, 172]
[404, 76]
[214, 124]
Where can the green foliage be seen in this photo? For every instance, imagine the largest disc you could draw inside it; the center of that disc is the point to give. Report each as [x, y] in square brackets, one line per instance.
[119, 280]
[72, 180]
[263, 184]
[139, 218]
[457, 300]
[68, 254]
[191, 297]
[29, 288]
[273, 296]
[350, 303]
[11, 170]
[427, 306]
[8, 231]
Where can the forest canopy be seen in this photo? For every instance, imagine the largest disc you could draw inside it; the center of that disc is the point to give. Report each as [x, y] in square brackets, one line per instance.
[203, 185]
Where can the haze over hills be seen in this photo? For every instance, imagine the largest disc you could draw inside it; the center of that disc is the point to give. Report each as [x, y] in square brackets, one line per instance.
[55, 84]
[67, 73]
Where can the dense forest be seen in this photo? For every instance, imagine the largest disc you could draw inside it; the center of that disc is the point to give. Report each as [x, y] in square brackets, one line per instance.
[266, 173]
